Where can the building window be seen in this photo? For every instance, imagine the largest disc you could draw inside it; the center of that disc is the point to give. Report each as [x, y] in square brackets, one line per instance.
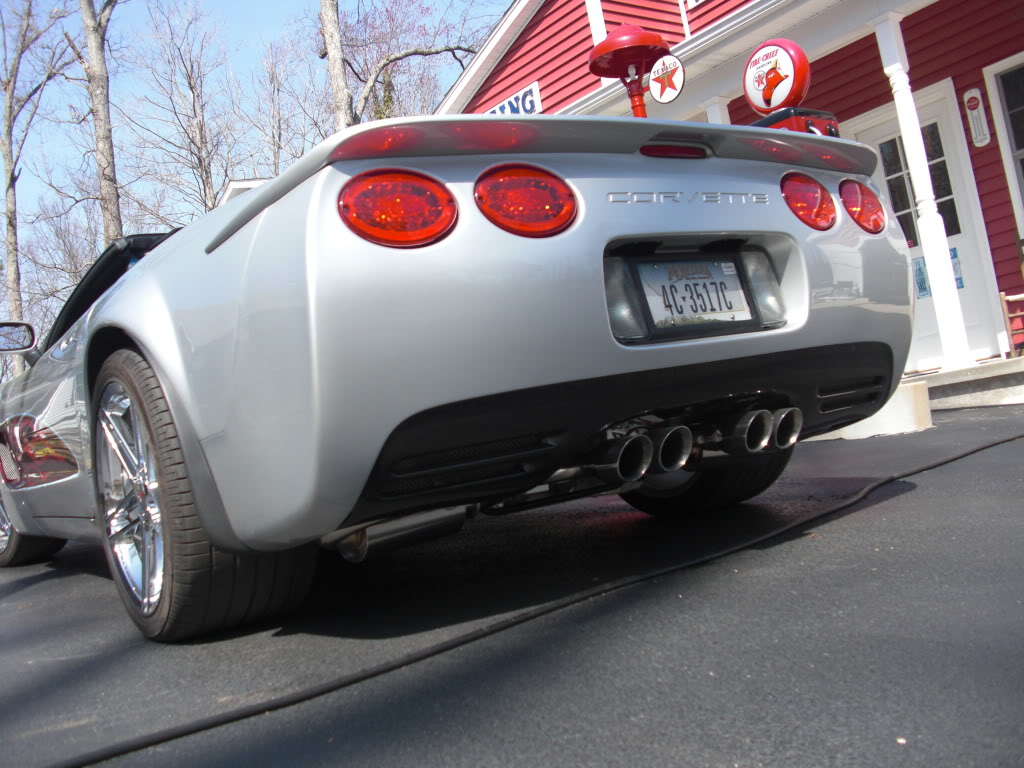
[1012, 86]
[901, 191]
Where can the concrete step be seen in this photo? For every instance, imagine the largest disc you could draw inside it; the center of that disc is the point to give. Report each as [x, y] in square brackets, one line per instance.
[995, 382]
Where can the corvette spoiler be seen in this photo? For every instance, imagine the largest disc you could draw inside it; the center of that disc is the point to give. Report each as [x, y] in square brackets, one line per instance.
[388, 140]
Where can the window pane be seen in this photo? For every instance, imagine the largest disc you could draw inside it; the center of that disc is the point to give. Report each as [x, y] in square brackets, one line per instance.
[890, 157]
[1013, 88]
[898, 194]
[1017, 128]
[940, 180]
[947, 210]
[909, 230]
[932, 142]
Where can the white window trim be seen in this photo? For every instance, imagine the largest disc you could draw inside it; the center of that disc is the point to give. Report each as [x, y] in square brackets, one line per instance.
[998, 108]
[940, 90]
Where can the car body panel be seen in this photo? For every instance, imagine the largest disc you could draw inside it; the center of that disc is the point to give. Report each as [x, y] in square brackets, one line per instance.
[293, 352]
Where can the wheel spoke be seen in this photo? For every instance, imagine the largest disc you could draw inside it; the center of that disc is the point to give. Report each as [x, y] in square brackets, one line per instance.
[119, 443]
[146, 562]
[126, 534]
[121, 516]
[5, 529]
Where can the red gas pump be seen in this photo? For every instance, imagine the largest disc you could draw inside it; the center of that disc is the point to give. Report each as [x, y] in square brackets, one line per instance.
[628, 53]
[775, 81]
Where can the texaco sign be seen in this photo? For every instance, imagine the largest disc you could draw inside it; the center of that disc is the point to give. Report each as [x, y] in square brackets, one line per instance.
[667, 79]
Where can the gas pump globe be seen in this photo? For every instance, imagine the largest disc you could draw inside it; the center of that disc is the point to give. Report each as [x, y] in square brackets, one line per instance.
[775, 82]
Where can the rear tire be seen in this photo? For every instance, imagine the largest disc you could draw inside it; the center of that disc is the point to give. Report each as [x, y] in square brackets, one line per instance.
[174, 583]
[19, 549]
[687, 493]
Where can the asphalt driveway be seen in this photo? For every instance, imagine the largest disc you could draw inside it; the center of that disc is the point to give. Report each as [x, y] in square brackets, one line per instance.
[850, 616]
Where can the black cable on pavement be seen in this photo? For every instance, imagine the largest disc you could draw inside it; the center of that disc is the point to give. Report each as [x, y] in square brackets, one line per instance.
[345, 681]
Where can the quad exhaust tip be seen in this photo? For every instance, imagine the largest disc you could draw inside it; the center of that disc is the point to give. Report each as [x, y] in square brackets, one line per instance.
[672, 448]
[752, 433]
[624, 459]
[757, 430]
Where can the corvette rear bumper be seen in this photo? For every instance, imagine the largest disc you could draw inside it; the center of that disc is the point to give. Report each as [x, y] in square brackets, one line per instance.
[503, 444]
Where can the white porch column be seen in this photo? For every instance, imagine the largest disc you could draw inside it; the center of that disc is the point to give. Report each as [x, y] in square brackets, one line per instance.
[717, 110]
[931, 230]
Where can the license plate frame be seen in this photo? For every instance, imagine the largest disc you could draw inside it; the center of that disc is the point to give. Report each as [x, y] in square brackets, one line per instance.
[715, 286]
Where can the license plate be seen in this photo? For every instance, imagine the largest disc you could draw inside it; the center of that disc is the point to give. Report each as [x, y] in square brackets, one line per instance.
[681, 293]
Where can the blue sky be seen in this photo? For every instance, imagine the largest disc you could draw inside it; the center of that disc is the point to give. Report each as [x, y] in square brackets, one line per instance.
[245, 28]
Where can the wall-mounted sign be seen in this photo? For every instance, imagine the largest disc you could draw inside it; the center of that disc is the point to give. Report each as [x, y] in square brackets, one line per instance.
[777, 75]
[976, 117]
[957, 274]
[667, 79]
[526, 102]
[921, 285]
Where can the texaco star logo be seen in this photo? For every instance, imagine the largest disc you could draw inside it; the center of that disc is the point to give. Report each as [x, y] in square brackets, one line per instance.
[667, 79]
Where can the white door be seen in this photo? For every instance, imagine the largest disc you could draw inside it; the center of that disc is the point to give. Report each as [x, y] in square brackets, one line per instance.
[958, 205]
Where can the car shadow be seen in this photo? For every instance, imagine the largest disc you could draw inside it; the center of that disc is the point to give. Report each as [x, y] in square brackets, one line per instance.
[75, 559]
[498, 566]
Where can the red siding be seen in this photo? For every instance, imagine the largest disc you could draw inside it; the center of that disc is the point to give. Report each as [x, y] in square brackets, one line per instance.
[946, 39]
[551, 50]
[659, 16]
[711, 12]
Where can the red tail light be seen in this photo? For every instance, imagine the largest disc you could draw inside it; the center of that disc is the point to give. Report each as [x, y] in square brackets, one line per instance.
[809, 200]
[525, 200]
[670, 150]
[863, 206]
[401, 209]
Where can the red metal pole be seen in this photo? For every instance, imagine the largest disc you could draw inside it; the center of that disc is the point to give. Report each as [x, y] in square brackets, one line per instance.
[635, 89]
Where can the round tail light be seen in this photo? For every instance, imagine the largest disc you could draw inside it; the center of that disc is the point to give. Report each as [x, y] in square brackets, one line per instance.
[863, 206]
[525, 200]
[401, 209]
[809, 200]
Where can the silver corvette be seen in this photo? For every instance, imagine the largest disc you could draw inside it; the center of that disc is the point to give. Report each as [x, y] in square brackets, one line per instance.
[427, 319]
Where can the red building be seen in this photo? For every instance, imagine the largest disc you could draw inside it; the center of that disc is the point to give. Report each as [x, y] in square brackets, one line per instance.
[956, 67]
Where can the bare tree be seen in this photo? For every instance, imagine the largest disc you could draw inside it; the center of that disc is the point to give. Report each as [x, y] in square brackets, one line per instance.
[33, 56]
[185, 141]
[94, 64]
[285, 106]
[367, 51]
[59, 247]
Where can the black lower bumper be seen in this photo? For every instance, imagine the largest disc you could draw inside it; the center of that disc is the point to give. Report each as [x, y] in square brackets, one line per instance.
[487, 448]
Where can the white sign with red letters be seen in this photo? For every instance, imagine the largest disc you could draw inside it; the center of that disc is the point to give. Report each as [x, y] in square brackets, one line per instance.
[976, 117]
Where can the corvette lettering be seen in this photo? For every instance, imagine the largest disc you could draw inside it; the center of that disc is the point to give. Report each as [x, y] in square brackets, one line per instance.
[729, 198]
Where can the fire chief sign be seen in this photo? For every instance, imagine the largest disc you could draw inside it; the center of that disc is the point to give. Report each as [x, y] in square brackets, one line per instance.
[667, 78]
[777, 75]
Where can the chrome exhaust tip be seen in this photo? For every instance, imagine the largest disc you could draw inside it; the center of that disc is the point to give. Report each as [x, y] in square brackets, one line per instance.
[672, 448]
[786, 426]
[623, 460]
[751, 434]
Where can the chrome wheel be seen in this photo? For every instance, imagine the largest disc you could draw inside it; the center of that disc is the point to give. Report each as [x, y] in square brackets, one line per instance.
[128, 483]
[5, 529]
[173, 581]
